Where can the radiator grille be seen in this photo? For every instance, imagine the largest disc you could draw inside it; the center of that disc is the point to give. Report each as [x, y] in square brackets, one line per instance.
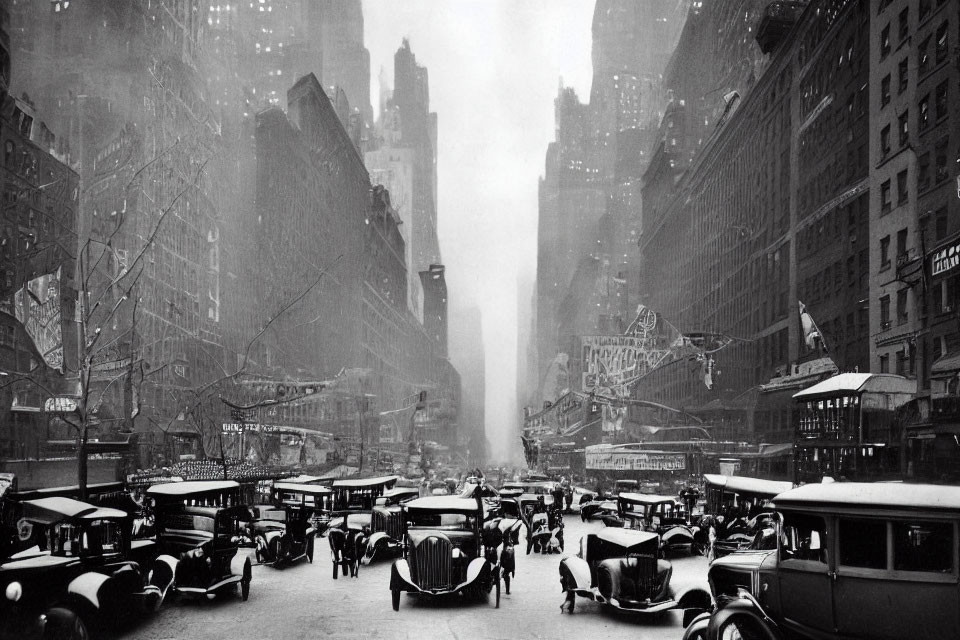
[432, 566]
[388, 522]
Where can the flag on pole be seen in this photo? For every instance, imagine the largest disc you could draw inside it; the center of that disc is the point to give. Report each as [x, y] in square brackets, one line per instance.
[809, 328]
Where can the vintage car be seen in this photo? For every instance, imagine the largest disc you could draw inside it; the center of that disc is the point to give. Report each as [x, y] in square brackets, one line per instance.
[854, 560]
[736, 511]
[449, 547]
[202, 543]
[489, 494]
[598, 508]
[317, 499]
[351, 525]
[385, 528]
[284, 533]
[621, 568]
[663, 515]
[81, 577]
[359, 495]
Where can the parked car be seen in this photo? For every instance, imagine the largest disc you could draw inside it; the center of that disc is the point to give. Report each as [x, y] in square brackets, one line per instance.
[202, 543]
[385, 529]
[283, 532]
[80, 579]
[317, 499]
[877, 560]
[598, 507]
[663, 515]
[444, 550]
[620, 568]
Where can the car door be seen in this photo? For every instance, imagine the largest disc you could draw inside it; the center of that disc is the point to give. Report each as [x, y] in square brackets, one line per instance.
[804, 574]
[896, 578]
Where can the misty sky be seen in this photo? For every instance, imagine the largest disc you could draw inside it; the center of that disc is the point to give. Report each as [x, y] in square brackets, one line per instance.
[494, 70]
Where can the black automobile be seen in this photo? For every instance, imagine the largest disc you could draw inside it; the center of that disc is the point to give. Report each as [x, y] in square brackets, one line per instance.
[283, 533]
[384, 533]
[620, 568]
[203, 543]
[445, 550]
[79, 579]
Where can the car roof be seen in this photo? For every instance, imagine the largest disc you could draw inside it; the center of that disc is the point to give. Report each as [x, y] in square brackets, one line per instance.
[868, 495]
[311, 489]
[645, 498]
[625, 537]
[444, 504]
[400, 491]
[191, 487]
[307, 479]
[746, 484]
[366, 482]
[55, 509]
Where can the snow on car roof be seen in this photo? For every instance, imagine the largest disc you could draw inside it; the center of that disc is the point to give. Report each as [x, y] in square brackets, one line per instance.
[882, 495]
[443, 503]
[748, 485]
[645, 498]
[190, 487]
[625, 537]
[366, 482]
[311, 489]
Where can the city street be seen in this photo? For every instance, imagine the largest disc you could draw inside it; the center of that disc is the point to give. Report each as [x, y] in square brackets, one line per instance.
[304, 601]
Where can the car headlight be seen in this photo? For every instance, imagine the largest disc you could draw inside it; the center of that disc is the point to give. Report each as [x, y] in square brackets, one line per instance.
[14, 591]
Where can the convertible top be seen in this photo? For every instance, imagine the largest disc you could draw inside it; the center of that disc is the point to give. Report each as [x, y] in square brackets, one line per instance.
[645, 498]
[870, 495]
[744, 484]
[309, 489]
[57, 509]
[191, 487]
[445, 504]
[362, 483]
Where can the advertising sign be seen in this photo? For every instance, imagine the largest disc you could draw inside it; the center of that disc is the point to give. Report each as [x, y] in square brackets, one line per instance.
[945, 259]
[618, 459]
[37, 307]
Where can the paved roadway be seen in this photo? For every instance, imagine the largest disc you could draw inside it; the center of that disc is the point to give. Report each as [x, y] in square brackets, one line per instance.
[303, 601]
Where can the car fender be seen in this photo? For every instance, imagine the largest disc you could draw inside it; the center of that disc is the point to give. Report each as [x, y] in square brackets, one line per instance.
[695, 599]
[477, 568]
[272, 535]
[575, 574]
[745, 611]
[87, 587]
[374, 543]
[696, 629]
[239, 564]
[677, 533]
[400, 579]
[159, 580]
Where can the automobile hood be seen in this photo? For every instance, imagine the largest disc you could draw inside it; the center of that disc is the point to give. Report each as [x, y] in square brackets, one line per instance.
[742, 559]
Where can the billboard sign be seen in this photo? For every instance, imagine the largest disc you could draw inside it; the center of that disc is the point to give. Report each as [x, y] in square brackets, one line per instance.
[619, 459]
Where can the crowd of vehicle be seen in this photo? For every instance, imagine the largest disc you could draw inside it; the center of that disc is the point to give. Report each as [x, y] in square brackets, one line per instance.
[823, 560]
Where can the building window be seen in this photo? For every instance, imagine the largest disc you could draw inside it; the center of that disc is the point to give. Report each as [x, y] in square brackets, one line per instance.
[924, 9]
[923, 177]
[885, 204]
[901, 362]
[903, 75]
[923, 56]
[904, 127]
[901, 243]
[941, 153]
[942, 42]
[885, 91]
[940, 101]
[902, 314]
[884, 253]
[904, 24]
[941, 223]
[924, 113]
[885, 42]
[885, 141]
[902, 190]
[885, 312]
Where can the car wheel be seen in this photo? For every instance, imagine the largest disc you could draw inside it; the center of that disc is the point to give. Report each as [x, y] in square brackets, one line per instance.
[64, 624]
[395, 593]
[245, 582]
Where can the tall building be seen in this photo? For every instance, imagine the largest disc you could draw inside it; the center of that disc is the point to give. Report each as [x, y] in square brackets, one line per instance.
[467, 355]
[346, 62]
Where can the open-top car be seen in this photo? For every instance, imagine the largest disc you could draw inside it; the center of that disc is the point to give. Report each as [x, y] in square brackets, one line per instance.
[445, 550]
[663, 515]
[621, 568]
[202, 543]
[80, 577]
[385, 528]
[283, 533]
[853, 560]
[738, 512]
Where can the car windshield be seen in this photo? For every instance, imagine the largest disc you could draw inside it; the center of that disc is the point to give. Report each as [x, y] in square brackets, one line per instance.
[446, 521]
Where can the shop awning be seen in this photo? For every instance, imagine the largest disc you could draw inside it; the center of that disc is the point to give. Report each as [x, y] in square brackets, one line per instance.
[854, 383]
[945, 366]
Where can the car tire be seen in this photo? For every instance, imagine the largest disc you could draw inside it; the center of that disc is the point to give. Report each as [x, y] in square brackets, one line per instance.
[245, 582]
[64, 624]
[395, 596]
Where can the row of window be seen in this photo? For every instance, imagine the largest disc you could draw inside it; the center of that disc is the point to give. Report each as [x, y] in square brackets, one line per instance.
[903, 313]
